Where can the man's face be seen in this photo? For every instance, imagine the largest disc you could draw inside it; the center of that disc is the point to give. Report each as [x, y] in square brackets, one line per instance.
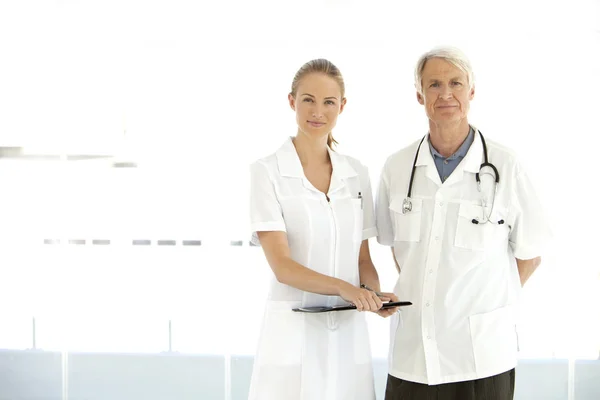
[446, 92]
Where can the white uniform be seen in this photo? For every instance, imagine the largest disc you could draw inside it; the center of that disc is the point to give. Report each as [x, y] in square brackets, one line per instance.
[312, 356]
[461, 277]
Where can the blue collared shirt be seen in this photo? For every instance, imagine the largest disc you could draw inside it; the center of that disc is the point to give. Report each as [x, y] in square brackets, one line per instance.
[446, 166]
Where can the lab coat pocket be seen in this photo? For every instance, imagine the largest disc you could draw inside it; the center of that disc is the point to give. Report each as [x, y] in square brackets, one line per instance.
[407, 227]
[494, 341]
[469, 235]
[282, 335]
[358, 219]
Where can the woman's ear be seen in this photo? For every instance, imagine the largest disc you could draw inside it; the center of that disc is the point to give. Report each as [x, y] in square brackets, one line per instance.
[342, 105]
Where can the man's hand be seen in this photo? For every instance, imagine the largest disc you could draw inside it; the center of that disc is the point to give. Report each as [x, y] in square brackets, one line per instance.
[527, 267]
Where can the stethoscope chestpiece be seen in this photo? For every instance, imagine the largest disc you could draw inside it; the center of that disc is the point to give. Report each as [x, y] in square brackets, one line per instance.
[406, 206]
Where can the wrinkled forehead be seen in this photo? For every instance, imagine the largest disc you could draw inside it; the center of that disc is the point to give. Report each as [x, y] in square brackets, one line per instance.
[440, 68]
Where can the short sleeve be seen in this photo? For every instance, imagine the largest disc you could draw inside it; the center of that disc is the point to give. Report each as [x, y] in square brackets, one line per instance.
[265, 210]
[530, 232]
[369, 227]
[385, 227]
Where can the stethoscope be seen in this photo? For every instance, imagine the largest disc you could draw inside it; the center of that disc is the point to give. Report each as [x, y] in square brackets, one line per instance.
[407, 203]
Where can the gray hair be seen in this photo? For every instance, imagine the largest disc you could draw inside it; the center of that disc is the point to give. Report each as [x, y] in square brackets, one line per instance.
[452, 55]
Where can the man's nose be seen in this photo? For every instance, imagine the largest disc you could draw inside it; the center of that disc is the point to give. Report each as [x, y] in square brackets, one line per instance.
[446, 92]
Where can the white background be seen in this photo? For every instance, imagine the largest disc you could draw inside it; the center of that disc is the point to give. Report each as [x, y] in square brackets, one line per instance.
[195, 91]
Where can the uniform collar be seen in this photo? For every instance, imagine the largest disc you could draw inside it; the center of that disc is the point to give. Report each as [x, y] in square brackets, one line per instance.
[288, 161]
[474, 157]
[289, 164]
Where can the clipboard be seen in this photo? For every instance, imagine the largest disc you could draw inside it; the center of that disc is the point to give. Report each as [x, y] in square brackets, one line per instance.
[321, 309]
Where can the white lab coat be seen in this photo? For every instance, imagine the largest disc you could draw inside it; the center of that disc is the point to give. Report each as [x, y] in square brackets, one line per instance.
[461, 277]
[312, 356]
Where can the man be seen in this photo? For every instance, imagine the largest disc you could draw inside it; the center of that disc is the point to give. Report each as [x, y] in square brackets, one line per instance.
[467, 232]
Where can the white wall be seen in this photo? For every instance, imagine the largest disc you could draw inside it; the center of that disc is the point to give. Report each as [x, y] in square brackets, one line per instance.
[200, 89]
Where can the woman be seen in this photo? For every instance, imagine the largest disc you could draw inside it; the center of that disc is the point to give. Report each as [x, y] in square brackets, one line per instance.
[312, 212]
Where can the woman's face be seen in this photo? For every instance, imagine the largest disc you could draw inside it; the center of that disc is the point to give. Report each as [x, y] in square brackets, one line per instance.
[318, 102]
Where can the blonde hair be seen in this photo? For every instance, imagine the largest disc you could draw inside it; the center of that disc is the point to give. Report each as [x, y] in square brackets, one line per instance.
[450, 54]
[322, 66]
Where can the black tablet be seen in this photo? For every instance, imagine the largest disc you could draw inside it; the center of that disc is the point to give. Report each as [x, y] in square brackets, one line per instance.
[320, 309]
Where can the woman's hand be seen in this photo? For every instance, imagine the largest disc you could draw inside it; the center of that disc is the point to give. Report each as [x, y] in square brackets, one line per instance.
[363, 299]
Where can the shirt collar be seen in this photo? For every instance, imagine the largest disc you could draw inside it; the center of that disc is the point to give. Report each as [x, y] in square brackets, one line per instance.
[289, 164]
[462, 150]
[472, 158]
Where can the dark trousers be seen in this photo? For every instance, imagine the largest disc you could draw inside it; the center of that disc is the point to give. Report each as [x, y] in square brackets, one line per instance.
[497, 387]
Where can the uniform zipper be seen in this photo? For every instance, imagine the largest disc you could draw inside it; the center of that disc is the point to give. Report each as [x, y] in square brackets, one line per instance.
[332, 320]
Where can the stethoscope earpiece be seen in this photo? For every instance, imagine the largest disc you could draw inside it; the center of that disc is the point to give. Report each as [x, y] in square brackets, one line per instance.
[476, 222]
